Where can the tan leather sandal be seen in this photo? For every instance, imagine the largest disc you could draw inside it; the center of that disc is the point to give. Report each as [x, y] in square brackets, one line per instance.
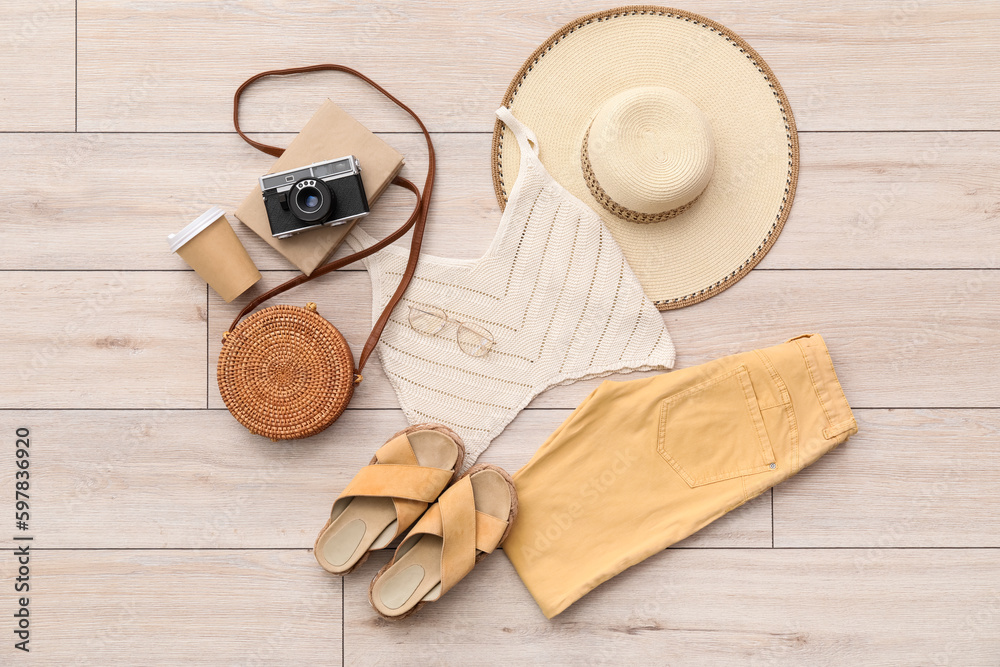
[405, 476]
[471, 519]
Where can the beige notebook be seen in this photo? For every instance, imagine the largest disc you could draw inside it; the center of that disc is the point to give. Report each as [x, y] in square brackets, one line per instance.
[330, 134]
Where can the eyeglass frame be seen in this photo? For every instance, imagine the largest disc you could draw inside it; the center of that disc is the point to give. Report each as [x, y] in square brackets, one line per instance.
[459, 323]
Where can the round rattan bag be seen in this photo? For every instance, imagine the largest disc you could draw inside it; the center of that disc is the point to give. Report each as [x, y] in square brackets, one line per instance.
[285, 372]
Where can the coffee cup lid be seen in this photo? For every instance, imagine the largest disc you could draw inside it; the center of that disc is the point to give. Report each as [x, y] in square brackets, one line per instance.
[195, 228]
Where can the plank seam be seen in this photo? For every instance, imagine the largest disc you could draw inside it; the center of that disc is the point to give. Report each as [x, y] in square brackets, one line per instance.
[483, 132]
[76, 66]
[536, 409]
[672, 548]
[763, 269]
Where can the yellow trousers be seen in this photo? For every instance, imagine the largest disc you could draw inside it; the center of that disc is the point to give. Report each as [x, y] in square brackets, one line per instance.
[640, 465]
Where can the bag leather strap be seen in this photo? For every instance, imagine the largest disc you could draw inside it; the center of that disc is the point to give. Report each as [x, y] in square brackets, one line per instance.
[416, 221]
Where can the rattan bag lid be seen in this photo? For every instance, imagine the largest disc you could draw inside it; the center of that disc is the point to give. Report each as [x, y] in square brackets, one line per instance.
[285, 372]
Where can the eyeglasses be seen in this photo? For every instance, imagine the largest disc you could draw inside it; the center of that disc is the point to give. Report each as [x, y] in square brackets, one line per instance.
[472, 339]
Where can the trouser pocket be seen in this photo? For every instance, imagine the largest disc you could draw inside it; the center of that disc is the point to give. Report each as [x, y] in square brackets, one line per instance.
[714, 430]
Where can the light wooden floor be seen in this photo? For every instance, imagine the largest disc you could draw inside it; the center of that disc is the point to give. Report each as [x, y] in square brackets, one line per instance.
[164, 533]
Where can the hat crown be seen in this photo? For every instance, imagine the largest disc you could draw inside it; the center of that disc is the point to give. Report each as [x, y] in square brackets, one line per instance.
[651, 151]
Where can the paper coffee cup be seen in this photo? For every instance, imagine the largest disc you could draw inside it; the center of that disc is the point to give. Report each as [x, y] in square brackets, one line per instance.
[210, 247]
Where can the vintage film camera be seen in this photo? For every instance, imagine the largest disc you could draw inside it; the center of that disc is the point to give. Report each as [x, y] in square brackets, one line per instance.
[325, 193]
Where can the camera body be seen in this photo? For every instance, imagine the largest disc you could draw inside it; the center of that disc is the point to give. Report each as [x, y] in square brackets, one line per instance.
[325, 193]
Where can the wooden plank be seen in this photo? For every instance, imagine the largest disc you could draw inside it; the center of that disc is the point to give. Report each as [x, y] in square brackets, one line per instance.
[870, 66]
[179, 607]
[924, 478]
[345, 299]
[102, 339]
[197, 479]
[896, 337]
[893, 200]
[716, 607]
[129, 191]
[887, 331]
[885, 200]
[238, 490]
[37, 66]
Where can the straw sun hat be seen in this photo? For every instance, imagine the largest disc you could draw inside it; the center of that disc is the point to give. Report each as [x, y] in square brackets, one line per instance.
[673, 130]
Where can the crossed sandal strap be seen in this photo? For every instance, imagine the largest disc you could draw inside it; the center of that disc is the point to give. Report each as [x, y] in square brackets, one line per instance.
[397, 475]
[464, 532]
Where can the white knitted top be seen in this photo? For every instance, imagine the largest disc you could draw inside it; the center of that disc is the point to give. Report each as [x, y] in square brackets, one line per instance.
[554, 290]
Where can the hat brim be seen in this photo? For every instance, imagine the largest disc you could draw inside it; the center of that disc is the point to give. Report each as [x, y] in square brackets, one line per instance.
[738, 217]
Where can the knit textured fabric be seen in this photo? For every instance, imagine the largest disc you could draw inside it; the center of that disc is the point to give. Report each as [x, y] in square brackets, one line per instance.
[555, 292]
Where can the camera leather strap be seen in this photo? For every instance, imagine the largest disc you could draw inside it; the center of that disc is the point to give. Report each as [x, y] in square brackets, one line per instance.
[416, 221]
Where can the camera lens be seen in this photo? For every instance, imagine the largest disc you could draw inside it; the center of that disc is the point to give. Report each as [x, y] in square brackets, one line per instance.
[310, 200]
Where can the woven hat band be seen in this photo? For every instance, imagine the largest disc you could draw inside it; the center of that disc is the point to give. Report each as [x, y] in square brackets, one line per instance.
[648, 154]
